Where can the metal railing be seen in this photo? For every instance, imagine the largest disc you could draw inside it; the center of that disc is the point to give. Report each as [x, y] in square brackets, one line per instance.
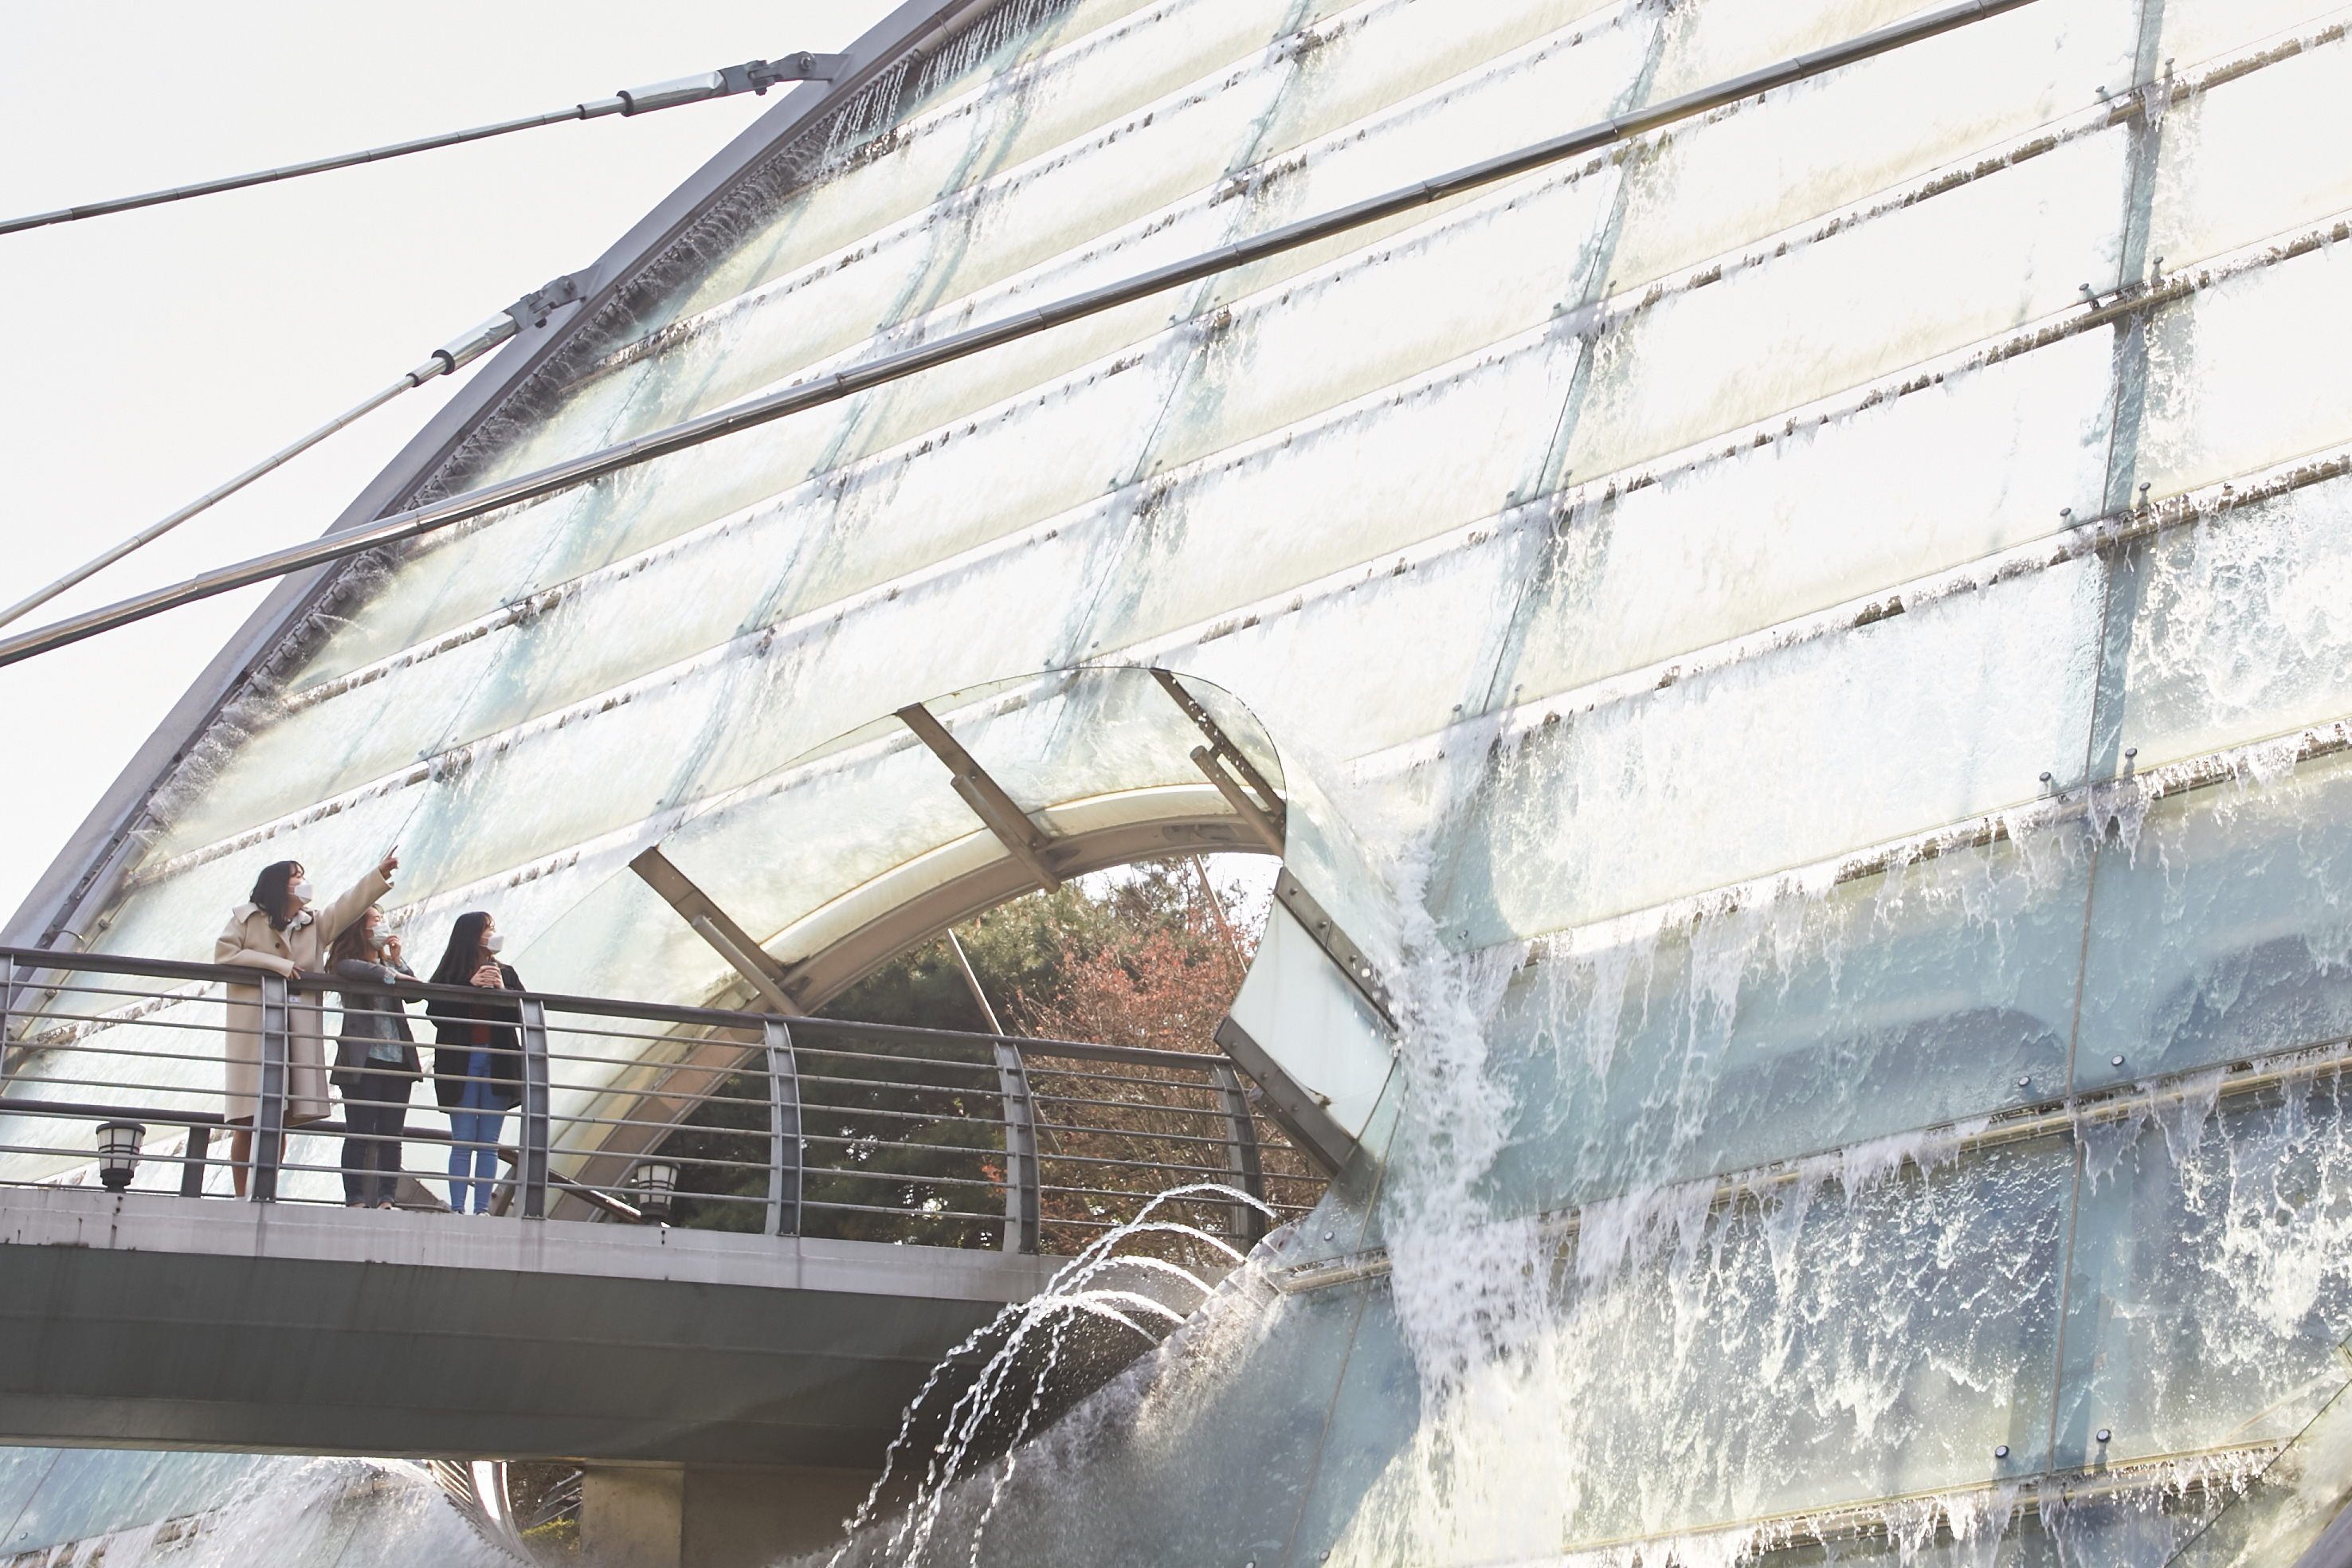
[632, 1111]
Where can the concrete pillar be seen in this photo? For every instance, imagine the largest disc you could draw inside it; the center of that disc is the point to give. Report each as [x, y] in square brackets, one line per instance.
[748, 1516]
[632, 1516]
[712, 1515]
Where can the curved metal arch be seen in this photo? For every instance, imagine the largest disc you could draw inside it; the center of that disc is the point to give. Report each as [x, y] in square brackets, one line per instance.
[824, 973]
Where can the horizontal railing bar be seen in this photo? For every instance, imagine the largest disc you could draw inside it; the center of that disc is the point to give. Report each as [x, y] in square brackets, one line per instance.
[995, 1219]
[1207, 1063]
[1046, 1126]
[1222, 1172]
[875, 1143]
[1171, 1108]
[39, 959]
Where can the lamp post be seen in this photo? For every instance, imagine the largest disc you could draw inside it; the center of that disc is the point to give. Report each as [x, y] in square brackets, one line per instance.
[117, 1152]
[657, 1183]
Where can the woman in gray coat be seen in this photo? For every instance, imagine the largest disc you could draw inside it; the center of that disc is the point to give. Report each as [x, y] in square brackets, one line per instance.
[377, 1065]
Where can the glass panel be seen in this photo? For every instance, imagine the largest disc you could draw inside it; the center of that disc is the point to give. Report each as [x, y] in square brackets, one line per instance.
[1792, 158]
[2208, 1285]
[1908, 1325]
[1373, 1417]
[784, 850]
[1790, 1026]
[2198, 30]
[2255, 157]
[1739, 540]
[2238, 629]
[2221, 930]
[2281, 1513]
[1090, 66]
[1656, 384]
[2234, 377]
[1758, 765]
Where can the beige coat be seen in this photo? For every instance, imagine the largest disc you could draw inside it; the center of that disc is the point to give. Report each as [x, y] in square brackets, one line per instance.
[300, 948]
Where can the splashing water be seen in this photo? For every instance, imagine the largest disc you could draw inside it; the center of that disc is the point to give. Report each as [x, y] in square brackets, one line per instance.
[1072, 1296]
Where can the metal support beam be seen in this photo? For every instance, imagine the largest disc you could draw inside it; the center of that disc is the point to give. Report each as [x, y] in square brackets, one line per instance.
[531, 1174]
[1269, 815]
[1021, 1202]
[269, 1105]
[987, 799]
[1295, 1111]
[1267, 829]
[1335, 942]
[784, 1155]
[191, 1173]
[1248, 1224]
[729, 941]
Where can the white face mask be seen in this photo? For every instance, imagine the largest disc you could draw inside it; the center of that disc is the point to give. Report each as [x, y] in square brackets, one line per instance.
[492, 941]
[302, 890]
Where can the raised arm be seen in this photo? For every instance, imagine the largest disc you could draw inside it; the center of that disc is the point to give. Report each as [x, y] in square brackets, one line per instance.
[343, 911]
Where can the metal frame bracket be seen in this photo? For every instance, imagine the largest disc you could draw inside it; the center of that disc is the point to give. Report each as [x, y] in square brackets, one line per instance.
[1240, 1153]
[1268, 815]
[1001, 814]
[1335, 942]
[531, 1174]
[1294, 1110]
[1020, 1178]
[785, 1151]
[270, 1104]
[710, 922]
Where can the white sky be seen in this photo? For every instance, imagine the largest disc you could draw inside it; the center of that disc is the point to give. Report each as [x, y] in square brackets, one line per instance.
[153, 354]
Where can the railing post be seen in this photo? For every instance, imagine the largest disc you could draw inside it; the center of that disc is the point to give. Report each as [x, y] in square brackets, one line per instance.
[270, 1104]
[191, 1173]
[1020, 1203]
[1240, 1153]
[533, 1173]
[783, 1131]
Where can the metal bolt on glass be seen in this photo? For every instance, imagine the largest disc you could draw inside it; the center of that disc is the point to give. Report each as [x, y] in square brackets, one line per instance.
[2001, 1451]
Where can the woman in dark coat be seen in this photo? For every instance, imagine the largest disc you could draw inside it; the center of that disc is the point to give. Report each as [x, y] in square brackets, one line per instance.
[477, 1062]
[375, 1061]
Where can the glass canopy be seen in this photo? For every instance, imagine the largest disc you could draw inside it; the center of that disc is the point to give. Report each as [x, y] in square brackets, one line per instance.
[1809, 649]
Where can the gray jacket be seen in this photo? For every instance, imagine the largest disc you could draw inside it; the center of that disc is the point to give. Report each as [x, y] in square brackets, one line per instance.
[367, 1019]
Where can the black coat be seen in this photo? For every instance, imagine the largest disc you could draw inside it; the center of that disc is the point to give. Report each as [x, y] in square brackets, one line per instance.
[453, 1035]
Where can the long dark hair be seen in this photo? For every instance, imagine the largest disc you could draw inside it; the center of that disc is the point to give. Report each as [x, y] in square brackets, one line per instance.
[465, 952]
[269, 891]
[352, 941]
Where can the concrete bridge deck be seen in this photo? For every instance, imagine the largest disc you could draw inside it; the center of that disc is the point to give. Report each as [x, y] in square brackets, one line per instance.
[151, 1321]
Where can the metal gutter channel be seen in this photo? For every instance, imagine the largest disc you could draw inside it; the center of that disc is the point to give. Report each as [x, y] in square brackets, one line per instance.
[82, 877]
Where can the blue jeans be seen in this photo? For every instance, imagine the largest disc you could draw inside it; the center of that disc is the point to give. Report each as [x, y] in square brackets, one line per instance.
[476, 1119]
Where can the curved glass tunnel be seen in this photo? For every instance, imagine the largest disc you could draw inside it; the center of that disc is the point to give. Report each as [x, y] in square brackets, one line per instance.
[1808, 651]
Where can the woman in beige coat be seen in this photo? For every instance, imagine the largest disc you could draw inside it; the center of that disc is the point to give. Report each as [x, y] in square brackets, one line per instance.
[279, 928]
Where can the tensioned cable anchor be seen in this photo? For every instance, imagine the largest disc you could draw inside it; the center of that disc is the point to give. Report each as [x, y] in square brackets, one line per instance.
[531, 310]
[753, 77]
[848, 382]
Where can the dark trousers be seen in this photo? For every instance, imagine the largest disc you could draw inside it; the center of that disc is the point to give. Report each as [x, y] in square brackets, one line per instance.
[375, 1111]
